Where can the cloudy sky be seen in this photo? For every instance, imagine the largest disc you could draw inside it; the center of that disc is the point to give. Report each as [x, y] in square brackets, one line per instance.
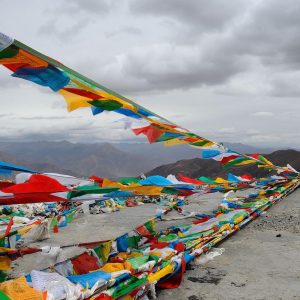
[228, 70]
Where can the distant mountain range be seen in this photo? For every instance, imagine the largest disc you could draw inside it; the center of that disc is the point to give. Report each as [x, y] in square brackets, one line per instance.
[81, 159]
[103, 159]
[36, 166]
[207, 167]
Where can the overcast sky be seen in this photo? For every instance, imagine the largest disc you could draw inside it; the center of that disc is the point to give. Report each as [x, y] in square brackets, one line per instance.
[228, 70]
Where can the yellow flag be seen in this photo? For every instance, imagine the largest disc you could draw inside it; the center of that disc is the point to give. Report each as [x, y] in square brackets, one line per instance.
[4, 263]
[74, 101]
[246, 162]
[144, 190]
[221, 180]
[110, 183]
[174, 142]
[19, 289]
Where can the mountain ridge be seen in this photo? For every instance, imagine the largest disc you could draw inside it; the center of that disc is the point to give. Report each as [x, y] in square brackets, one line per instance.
[208, 167]
[103, 159]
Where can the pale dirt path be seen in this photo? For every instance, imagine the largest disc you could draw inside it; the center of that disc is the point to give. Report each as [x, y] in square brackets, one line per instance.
[90, 228]
[256, 263]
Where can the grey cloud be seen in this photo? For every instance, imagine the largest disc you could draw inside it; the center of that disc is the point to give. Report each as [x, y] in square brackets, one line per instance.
[5, 115]
[85, 131]
[190, 54]
[271, 33]
[168, 67]
[275, 138]
[227, 130]
[263, 114]
[30, 137]
[6, 82]
[64, 32]
[35, 118]
[127, 30]
[205, 15]
[265, 32]
[171, 67]
[132, 30]
[285, 84]
[59, 105]
[236, 35]
[90, 6]
[69, 18]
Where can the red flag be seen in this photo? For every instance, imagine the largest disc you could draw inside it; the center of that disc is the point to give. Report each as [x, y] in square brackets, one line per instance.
[30, 198]
[83, 93]
[227, 159]
[96, 179]
[37, 183]
[247, 177]
[173, 281]
[9, 226]
[190, 180]
[55, 229]
[151, 132]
